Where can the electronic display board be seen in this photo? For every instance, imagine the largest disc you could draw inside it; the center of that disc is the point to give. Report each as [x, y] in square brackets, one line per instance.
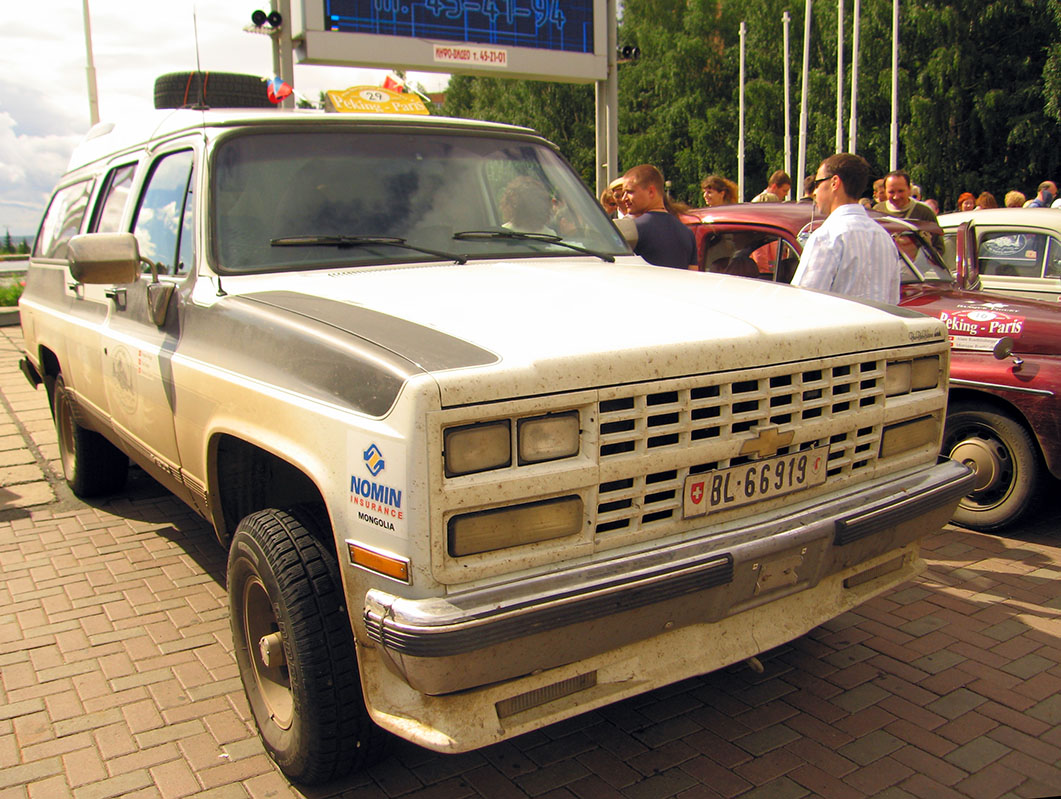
[546, 39]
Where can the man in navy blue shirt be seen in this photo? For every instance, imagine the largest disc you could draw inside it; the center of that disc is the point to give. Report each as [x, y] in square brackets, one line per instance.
[662, 239]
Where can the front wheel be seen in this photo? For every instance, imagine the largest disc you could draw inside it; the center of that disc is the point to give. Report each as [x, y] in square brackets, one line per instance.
[295, 648]
[1004, 456]
[92, 465]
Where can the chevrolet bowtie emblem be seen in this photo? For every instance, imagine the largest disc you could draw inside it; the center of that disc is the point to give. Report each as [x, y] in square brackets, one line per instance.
[767, 443]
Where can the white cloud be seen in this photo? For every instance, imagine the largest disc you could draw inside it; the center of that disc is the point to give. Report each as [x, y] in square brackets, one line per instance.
[46, 111]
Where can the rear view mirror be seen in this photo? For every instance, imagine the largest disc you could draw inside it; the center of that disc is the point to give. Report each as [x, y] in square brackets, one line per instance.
[104, 258]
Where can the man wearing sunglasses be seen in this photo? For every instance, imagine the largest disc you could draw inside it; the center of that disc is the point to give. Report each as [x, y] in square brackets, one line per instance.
[849, 254]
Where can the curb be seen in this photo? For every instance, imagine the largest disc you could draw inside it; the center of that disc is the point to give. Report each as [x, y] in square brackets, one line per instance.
[9, 317]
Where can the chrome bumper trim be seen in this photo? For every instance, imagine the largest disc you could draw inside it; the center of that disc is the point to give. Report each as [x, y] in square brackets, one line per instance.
[839, 535]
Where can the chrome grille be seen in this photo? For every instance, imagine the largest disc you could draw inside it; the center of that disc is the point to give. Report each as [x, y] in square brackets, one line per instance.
[639, 425]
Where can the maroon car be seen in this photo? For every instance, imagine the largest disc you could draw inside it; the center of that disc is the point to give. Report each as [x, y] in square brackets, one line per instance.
[1004, 416]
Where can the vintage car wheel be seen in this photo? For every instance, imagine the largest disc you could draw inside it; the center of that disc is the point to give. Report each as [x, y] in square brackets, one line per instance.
[295, 648]
[92, 465]
[1005, 459]
[213, 89]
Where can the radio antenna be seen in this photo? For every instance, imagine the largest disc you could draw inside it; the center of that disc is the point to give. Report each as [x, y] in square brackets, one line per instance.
[198, 66]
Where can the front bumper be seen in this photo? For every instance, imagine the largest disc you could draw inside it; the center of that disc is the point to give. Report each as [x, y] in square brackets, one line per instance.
[478, 637]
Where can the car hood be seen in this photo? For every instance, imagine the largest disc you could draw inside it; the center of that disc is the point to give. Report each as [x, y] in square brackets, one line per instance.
[558, 324]
[976, 320]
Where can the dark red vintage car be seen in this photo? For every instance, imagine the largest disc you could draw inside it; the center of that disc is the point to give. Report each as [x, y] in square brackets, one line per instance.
[1004, 416]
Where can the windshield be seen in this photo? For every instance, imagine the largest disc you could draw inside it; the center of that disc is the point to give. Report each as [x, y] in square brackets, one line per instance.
[921, 264]
[297, 200]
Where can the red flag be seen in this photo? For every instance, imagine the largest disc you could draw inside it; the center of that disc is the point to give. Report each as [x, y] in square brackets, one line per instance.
[393, 84]
[277, 90]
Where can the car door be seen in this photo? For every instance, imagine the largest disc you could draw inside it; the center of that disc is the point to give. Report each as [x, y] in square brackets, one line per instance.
[143, 326]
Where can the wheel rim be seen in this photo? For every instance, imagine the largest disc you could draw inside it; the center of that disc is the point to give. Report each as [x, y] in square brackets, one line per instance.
[979, 448]
[64, 426]
[266, 653]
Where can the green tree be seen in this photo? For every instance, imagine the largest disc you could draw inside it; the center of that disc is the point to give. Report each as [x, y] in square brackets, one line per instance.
[562, 112]
[976, 116]
[979, 92]
[9, 245]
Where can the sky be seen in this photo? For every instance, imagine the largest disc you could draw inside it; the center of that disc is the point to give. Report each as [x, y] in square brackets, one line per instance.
[44, 109]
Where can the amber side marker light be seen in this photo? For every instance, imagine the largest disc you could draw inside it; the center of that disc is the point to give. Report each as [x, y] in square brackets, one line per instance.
[388, 565]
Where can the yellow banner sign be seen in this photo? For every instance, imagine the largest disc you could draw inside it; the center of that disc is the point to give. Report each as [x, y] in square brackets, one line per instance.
[375, 100]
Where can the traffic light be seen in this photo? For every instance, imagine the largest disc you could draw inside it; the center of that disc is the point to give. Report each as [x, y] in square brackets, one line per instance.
[626, 53]
[274, 18]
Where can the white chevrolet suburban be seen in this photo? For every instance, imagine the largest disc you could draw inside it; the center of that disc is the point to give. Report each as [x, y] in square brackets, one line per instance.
[478, 467]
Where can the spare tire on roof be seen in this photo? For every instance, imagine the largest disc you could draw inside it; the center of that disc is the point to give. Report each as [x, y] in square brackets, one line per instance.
[210, 89]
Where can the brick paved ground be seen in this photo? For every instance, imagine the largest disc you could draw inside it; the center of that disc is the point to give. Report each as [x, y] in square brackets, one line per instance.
[117, 677]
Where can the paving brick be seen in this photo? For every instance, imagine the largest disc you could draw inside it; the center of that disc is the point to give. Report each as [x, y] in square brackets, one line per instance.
[989, 782]
[956, 703]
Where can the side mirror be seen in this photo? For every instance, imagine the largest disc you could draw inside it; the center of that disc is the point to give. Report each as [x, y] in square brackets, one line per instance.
[1004, 348]
[966, 262]
[104, 258]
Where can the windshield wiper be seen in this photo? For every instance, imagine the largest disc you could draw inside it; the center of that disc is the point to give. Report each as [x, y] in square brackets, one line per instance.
[362, 241]
[545, 238]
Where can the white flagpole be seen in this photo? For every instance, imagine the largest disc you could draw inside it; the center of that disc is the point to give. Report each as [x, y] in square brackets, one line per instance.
[90, 69]
[785, 20]
[840, 76]
[894, 160]
[802, 160]
[852, 133]
[740, 126]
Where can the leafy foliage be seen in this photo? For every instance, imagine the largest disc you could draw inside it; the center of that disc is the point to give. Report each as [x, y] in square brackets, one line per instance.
[979, 92]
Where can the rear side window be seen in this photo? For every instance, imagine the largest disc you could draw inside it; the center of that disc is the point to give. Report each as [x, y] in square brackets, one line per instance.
[114, 196]
[62, 220]
[1013, 253]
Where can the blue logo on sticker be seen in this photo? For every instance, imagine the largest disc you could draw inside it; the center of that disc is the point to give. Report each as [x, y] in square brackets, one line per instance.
[374, 460]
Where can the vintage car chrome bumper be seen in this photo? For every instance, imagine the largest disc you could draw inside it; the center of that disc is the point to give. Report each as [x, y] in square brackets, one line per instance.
[468, 639]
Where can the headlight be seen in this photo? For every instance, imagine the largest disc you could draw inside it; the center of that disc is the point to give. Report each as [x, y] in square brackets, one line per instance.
[924, 373]
[902, 377]
[499, 528]
[897, 378]
[477, 447]
[906, 436]
[548, 438]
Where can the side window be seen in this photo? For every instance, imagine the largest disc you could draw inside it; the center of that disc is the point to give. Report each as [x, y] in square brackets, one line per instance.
[163, 225]
[1014, 254]
[62, 220]
[1053, 258]
[113, 198]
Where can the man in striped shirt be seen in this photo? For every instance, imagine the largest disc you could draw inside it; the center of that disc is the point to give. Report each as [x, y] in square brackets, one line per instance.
[849, 254]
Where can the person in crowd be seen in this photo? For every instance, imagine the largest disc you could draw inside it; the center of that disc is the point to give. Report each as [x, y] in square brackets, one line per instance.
[879, 192]
[608, 203]
[931, 203]
[662, 239]
[619, 193]
[915, 191]
[986, 200]
[808, 190]
[1047, 192]
[777, 190]
[718, 191]
[526, 206]
[899, 203]
[1014, 199]
[866, 203]
[850, 253]
[966, 201]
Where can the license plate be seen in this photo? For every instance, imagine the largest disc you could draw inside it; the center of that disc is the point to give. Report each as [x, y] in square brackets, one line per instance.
[754, 481]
